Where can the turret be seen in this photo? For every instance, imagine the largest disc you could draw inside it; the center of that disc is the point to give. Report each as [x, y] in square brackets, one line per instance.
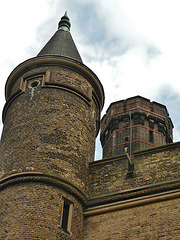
[134, 124]
[51, 119]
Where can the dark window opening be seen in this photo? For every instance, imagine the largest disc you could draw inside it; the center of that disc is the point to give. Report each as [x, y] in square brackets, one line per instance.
[126, 139]
[151, 136]
[34, 84]
[151, 124]
[67, 216]
[125, 107]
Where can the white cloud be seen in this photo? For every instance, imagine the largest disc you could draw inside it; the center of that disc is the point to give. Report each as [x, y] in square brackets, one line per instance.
[132, 46]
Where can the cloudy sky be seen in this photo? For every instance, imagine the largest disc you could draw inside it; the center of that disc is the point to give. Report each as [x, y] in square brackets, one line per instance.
[133, 46]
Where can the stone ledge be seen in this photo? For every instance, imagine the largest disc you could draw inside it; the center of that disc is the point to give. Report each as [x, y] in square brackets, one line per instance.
[120, 205]
[134, 193]
[46, 178]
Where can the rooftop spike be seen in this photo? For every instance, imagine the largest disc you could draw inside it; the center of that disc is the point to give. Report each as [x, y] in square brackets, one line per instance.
[61, 43]
[64, 24]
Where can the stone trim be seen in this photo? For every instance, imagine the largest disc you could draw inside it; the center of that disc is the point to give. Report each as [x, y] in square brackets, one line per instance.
[122, 102]
[134, 193]
[45, 178]
[157, 149]
[45, 84]
[132, 203]
[59, 61]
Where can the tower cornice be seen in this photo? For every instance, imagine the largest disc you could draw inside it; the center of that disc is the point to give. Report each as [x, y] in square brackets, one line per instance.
[60, 61]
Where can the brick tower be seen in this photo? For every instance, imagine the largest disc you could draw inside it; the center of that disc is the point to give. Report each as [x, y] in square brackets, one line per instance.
[134, 124]
[51, 119]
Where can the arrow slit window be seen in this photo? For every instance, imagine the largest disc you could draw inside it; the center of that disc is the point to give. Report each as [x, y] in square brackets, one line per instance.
[67, 215]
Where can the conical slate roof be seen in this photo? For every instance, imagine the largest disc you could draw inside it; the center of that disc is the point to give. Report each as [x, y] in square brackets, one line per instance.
[61, 43]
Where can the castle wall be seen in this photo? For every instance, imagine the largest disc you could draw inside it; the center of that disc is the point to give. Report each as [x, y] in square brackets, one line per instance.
[34, 211]
[51, 188]
[150, 167]
[154, 221]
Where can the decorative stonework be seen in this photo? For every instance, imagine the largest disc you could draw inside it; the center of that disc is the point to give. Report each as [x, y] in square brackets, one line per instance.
[46, 178]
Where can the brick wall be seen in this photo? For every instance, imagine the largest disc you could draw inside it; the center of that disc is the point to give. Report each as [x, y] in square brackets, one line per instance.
[51, 119]
[137, 120]
[150, 166]
[50, 129]
[33, 211]
[154, 222]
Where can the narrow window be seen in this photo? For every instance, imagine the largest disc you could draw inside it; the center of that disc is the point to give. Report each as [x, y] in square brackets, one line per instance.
[67, 215]
[151, 124]
[151, 137]
[125, 107]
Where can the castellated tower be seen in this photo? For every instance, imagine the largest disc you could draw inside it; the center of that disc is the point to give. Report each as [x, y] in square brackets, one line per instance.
[134, 124]
[51, 119]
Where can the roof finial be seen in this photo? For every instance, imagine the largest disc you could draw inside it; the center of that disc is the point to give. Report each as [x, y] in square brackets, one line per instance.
[64, 24]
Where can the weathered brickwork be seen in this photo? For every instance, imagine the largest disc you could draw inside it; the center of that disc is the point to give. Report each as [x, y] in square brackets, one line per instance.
[135, 124]
[153, 222]
[58, 74]
[34, 211]
[150, 166]
[50, 186]
[50, 124]
[52, 130]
